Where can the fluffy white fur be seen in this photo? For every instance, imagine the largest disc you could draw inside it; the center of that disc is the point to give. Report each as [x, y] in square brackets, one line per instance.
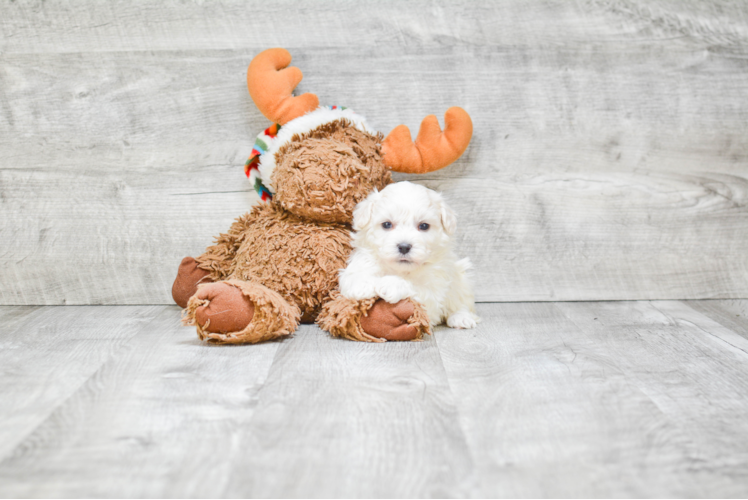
[429, 272]
[301, 125]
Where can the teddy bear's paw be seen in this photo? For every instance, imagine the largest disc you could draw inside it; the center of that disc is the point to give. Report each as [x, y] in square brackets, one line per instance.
[390, 321]
[188, 277]
[224, 308]
[463, 320]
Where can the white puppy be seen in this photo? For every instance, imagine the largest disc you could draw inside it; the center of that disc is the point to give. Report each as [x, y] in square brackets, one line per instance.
[402, 249]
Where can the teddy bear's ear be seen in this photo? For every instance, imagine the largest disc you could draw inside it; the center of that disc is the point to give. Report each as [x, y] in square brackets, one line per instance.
[271, 82]
[433, 148]
[364, 211]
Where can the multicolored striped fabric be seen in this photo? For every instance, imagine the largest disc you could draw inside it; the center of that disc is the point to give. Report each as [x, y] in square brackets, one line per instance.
[262, 144]
[251, 167]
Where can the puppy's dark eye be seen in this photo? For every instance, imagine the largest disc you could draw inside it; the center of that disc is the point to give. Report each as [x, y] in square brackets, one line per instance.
[423, 226]
[387, 225]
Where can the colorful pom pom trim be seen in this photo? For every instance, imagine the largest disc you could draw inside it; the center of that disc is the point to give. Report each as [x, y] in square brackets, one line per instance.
[251, 170]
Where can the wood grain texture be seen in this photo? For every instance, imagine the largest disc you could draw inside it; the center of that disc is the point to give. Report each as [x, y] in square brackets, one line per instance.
[609, 161]
[603, 399]
[170, 416]
[158, 417]
[28, 27]
[696, 372]
[733, 314]
[344, 419]
[600, 400]
[47, 354]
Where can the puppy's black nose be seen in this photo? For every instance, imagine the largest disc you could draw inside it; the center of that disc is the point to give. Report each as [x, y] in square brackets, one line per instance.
[404, 247]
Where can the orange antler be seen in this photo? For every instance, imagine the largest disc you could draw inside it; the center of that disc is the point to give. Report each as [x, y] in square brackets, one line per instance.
[271, 83]
[433, 148]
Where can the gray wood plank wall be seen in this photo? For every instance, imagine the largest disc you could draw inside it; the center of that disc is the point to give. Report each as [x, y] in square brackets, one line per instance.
[609, 161]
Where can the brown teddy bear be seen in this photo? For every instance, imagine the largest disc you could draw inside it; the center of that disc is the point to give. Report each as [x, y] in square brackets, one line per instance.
[278, 264]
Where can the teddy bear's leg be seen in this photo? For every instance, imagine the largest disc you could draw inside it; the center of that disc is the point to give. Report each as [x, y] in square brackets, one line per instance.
[373, 320]
[215, 264]
[236, 312]
[188, 277]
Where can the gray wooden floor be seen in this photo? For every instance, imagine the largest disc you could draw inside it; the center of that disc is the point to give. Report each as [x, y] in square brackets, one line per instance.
[543, 399]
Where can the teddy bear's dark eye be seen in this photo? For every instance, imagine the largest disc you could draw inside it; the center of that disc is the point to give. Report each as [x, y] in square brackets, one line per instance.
[387, 225]
[423, 226]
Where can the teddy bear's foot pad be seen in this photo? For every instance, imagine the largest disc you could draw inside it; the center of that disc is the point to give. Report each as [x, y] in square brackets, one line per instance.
[237, 312]
[390, 321]
[224, 308]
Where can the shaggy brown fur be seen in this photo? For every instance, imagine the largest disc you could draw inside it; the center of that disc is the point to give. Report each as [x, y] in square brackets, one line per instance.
[323, 174]
[296, 258]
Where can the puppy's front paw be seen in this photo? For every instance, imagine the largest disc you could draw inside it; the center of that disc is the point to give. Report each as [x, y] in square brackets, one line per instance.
[463, 319]
[393, 289]
[359, 291]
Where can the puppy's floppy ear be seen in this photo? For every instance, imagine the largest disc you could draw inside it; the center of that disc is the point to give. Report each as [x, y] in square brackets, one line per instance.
[364, 211]
[448, 217]
[446, 214]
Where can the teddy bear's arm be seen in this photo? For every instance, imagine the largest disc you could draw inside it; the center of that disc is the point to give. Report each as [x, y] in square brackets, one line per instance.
[373, 320]
[218, 259]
